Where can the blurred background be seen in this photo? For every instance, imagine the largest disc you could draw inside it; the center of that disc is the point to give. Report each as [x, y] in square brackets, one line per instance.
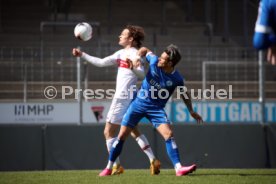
[215, 39]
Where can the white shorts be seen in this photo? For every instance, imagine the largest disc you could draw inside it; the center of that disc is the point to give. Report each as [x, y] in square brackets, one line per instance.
[117, 110]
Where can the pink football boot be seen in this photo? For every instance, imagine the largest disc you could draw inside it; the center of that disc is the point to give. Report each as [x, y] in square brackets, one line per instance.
[106, 172]
[185, 170]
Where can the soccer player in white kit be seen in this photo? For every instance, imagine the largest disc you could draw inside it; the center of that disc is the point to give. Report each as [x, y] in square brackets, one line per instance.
[127, 77]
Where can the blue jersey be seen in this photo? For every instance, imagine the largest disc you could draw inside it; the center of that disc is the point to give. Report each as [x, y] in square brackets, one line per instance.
[158, 86]
[156, 89]
[265, 28]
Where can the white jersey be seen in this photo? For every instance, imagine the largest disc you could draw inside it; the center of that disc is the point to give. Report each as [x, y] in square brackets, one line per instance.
[125, 76]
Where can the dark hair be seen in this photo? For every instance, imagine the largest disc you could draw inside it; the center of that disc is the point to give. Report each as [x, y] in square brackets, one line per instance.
[173, 52]
[137, 33]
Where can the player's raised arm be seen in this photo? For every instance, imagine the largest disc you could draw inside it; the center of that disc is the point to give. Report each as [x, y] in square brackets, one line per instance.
[137, 67]
[186, 97]
[143, 51]
[150, 57]
[137, 63]
[107, 61]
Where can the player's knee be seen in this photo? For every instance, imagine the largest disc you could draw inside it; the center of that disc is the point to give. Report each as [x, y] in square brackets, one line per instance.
[124, 132]
[168, 134]
[122, 136]
[135, 133]
[108, 133]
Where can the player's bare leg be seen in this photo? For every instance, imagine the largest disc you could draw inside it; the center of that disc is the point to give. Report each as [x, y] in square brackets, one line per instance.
[115, 152]
[110, 131]
[166, 131]
[145, 146]
[110, 136]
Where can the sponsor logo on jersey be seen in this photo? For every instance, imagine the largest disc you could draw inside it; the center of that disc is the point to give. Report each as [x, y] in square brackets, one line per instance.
[155, 84]
[169, 83]
[122, 63]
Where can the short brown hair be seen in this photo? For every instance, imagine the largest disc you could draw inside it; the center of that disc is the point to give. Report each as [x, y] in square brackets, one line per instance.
[137, 33]
[173, 52]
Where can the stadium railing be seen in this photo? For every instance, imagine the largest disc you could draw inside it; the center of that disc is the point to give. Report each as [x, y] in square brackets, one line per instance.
[22, 73]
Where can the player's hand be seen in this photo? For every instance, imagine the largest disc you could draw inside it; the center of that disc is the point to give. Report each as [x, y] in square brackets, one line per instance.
[137, 62]
[133, 64]
[143, 51]
[197, 117]
[76, 52]
[271, 55]
[130, 64]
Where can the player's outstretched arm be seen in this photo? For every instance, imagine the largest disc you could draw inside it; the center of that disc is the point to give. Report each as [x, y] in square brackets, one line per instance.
[147, 53]
[107, 61]
[188, 102]
[137, 67]
[143, 51]
[139, 70]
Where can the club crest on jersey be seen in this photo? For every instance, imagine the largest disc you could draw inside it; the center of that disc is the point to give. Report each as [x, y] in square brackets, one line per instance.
[169, 83]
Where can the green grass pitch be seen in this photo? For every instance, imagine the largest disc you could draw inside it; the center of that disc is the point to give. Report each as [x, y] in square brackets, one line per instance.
[167, 176]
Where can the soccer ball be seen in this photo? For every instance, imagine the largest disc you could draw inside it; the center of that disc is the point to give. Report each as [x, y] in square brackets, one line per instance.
[83, 31]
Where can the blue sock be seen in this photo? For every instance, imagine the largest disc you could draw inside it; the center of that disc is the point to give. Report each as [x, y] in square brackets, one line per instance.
[116, 150]
[172, 151]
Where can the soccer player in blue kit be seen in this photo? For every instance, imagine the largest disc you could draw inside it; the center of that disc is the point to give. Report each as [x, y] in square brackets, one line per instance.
[265, 29]
[157, 87]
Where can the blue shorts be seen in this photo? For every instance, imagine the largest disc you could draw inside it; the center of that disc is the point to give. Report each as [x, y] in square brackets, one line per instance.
[137, 110]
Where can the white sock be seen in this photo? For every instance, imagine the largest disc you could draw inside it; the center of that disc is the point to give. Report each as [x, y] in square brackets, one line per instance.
[109, 144]
[144, 145]
[177, 166]
[109, 164]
